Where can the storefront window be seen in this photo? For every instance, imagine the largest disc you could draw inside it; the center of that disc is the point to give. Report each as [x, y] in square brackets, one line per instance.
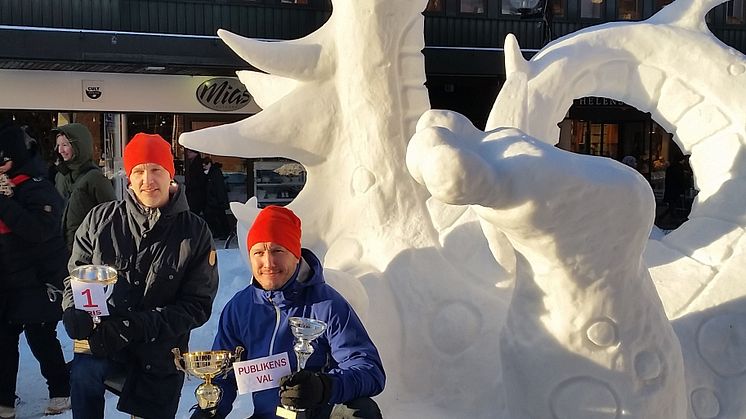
[557, 7]
[595, 139]
[434, 6]
[472, 6]
[591, 9]
[628, 9]
[735, 12]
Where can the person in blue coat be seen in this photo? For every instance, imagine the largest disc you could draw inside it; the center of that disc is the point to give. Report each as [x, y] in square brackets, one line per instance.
[345, 369]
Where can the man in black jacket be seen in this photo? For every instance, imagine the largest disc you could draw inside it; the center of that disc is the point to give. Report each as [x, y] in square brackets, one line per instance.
[167, 280]
[32, 268]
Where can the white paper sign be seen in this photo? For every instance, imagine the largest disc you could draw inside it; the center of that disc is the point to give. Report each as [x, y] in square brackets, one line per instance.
[261, 373]
[90, 297]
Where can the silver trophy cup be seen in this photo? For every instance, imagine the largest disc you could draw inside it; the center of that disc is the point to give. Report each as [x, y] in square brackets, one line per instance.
[305, 331]
[102, 275]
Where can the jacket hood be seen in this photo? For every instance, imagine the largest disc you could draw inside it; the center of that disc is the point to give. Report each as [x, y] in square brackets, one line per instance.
[81, 141]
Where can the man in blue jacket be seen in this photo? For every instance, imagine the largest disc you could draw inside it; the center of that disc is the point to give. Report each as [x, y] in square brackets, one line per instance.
[345, 369]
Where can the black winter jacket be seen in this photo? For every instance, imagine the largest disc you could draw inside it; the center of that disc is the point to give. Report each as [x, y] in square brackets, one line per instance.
[167, 281]
[32, 253]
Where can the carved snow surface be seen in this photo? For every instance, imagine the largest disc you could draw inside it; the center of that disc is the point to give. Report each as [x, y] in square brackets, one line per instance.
[693, 85]
[583, 305]
[586, 335]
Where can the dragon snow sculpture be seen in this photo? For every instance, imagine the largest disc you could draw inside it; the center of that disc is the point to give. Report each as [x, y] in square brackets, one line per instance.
[346, 113]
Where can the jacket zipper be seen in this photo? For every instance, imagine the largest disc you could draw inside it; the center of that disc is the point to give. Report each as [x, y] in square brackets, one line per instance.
[277, 325]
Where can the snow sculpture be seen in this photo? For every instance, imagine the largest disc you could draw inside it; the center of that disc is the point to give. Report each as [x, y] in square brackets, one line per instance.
[425, 270]
[698, 267]
[579, 301]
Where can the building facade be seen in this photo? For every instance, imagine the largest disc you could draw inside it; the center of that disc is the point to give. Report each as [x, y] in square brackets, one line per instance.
[150, 58]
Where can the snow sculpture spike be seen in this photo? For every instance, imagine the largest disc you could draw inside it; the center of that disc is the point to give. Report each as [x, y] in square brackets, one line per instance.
[355, 136]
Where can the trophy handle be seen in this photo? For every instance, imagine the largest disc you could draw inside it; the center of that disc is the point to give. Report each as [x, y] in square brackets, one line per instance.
[177, 360]
[108, 290]
[237, 353]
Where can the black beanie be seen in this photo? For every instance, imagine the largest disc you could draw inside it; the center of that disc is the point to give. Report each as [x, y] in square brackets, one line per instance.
[13, 146]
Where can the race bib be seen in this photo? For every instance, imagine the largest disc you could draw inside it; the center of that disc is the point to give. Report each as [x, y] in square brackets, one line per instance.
[261, 373]
[90, 297]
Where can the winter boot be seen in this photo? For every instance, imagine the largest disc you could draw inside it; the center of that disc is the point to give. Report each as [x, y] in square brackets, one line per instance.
[57, 405]
[7, 412]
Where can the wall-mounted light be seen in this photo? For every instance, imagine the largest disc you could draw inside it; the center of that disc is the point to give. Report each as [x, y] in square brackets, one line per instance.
[154, 68]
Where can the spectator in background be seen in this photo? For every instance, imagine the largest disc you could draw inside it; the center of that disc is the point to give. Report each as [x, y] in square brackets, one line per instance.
[32, 269]
[195, 181]
[678, 180]
[78, 179]
[216, 201]
[630, 161]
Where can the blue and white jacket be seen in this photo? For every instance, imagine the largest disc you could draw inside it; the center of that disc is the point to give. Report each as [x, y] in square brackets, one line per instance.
[258, 320]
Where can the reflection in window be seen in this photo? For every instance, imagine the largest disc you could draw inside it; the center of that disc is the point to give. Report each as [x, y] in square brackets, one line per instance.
[591, 8]
[735, 13]
[628, 9]
[434, 6]
[294, 1]
[472, 6]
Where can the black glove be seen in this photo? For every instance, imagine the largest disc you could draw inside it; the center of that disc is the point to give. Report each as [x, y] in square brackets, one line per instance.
[204, 414]
[114, 334]
[78, 323]
[305, 389]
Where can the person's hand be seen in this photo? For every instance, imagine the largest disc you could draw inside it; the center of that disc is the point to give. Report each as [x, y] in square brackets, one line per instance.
[114, 334]
[78, 323]
[204, 414]
[305, 389]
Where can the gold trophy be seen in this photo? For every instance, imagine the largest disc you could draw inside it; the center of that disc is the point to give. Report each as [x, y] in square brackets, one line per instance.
[101, 275]
[207, 365]
[305, 331]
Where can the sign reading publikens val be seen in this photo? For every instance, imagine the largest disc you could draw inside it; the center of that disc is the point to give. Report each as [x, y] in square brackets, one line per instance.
[223, 94]
[261, 373]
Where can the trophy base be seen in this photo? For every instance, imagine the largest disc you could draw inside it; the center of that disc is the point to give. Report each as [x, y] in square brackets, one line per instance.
[284, 412]
[81, 347]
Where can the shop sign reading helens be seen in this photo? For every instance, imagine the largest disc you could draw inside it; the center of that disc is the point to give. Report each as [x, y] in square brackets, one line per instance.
[223, 94]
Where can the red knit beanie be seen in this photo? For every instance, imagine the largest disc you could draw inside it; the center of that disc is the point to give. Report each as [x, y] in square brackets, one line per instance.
[148, 148]
[277, 225]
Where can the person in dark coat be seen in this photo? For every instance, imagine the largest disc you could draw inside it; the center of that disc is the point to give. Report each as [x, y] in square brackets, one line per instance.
[78, 179]
[32, 269]
[217, 200]
[167, 279]
[195, 180]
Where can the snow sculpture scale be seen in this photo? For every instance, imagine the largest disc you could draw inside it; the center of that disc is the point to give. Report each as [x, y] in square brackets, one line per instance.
[586, 336]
